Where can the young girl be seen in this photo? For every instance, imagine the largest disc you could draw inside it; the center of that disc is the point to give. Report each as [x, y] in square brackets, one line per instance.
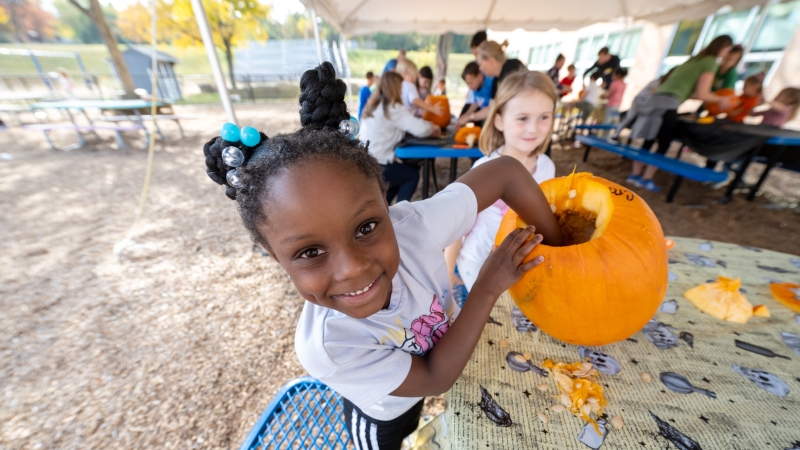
[379, 324]
[750, 98]
[614, 95]
[519, 125]
[410, 95]
[782, 109]
[383, 124]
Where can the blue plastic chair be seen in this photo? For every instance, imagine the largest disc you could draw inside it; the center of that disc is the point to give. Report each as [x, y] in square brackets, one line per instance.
[305, 414]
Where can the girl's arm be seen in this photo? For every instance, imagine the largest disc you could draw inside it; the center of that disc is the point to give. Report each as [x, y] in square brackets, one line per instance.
[507, 179]
[702, 91]
[450, 257]
[433, 109]
[464, 118]
[404, 120]
[478, 116]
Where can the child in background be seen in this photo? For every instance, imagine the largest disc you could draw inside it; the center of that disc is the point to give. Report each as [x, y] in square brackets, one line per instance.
[614, 95]
[478, 96]
[782, 109]
[441, 88]
[410, 95]
[750, 98]
[383, 125]
[519, 125]
[379, 324]
[424, 82]
[566, 82]
[589, 97]
[364, 93]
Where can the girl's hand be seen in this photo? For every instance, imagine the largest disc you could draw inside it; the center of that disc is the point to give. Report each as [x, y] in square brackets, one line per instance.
[724, 103]
[435, 109]
[504, 266]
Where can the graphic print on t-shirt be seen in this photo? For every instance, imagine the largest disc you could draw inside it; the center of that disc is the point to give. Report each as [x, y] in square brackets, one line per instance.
[425, 332]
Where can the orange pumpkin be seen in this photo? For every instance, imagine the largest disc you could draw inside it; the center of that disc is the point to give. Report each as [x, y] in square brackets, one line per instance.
[442, 119]
[788, 294]
[714, 109]
[465, 131]
[610, 276]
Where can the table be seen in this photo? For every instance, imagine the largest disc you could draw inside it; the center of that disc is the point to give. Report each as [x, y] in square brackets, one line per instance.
[430, 148]
[779, 137]
[83, 105]
[742, 416]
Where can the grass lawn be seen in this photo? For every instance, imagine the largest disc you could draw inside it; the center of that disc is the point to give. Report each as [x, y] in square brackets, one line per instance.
[193, 59]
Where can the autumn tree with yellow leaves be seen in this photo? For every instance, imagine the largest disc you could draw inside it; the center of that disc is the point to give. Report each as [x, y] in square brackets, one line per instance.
[232, 23]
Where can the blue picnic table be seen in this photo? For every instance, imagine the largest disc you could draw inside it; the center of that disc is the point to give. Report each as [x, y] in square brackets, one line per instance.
[428, 149]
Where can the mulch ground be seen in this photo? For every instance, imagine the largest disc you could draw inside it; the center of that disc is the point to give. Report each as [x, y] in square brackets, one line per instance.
[180, 335]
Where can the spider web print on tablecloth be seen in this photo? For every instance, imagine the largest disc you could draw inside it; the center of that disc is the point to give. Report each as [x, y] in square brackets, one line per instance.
[695, 352]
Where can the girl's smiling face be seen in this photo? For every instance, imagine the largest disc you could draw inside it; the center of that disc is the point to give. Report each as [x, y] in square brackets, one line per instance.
[328, 226]
[526, 120]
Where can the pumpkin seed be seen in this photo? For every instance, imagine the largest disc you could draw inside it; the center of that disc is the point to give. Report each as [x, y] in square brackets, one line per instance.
[503, 342]
[578, 385]
[565, 400]
[520, 358]
[593, 400]
[558, 408]
[587, 366]
[573, 193]
[617, 422]
[527, 355]
[646, 377]
[553, 208]
[586, 410]
[543, 387]
[542, 417]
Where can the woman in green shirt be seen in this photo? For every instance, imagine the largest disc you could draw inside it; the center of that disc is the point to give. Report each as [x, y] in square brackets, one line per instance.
[659, 116]
[727, 75]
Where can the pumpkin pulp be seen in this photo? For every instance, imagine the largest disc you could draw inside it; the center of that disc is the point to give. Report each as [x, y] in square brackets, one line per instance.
[609, 277]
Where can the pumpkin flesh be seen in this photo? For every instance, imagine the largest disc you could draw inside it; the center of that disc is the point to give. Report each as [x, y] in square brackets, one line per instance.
[609, 278]
[788, 294]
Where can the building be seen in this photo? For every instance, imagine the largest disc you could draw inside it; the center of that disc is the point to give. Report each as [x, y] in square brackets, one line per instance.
[139, 62]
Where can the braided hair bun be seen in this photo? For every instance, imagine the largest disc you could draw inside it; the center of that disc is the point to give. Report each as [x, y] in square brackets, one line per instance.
[216, 168]
[322, 102]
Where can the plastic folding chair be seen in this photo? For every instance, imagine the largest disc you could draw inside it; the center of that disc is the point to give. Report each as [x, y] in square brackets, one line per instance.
[305, 414]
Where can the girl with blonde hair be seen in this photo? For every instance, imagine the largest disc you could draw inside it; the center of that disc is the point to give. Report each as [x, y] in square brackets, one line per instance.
[519, 125]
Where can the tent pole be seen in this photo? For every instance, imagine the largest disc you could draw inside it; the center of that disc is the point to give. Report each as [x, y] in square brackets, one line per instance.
[346, 64]
[316, 32]
[760, 23]
[211, 50]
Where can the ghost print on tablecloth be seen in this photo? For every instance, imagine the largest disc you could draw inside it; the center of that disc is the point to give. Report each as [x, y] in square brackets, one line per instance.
[765, 380]
[660, 335]
[522, 323]
[604, 363]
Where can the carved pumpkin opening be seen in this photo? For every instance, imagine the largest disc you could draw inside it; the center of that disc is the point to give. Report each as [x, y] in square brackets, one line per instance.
[583, 208]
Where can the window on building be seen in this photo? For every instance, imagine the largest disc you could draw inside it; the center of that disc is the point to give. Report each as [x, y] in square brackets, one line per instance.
[598, 42]
[779, 26]
[734, 24]
[629, 44]
[614, 42]
[686, 37]
[582, 53]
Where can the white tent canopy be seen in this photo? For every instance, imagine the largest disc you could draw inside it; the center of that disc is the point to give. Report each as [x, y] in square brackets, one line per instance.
[354, 17]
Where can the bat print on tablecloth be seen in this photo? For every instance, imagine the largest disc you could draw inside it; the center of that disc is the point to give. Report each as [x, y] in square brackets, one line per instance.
[792, 340]
[700, 260]
[493, 410]
[670, 433]
[765, 380]
[763, 351]
[774, 269]
[660, 335]
[589, 436]
[706, 246]
[521, 323]
[687, 337]
[669, 306]
[604, 363]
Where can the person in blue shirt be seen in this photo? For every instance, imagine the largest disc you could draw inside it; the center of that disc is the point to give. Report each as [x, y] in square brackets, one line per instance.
[365, 92]
[392, 63]
[480, 92]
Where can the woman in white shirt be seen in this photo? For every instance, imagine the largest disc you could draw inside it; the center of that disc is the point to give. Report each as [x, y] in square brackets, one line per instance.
[519, 125]
[383, 124]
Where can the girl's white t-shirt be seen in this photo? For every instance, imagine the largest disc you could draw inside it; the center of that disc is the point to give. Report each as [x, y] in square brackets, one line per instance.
[477, 244]
[366, 359]
[408, 94]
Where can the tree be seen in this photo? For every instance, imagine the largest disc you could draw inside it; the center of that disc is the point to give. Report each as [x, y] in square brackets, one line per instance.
[95, 12]
[232, 22]
[74, 24]
[26, 21]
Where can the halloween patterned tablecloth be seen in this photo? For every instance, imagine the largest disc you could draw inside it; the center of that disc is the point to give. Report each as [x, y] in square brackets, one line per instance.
[738, 398]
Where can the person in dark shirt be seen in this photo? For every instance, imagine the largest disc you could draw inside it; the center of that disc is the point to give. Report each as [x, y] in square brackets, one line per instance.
[605, 65]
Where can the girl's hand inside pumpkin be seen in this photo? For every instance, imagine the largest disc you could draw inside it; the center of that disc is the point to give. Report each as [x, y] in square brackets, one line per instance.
[505, 265]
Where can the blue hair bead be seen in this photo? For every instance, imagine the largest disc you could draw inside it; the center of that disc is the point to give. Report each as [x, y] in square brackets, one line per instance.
[250, 136]
[349, 127]
[229, 132]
